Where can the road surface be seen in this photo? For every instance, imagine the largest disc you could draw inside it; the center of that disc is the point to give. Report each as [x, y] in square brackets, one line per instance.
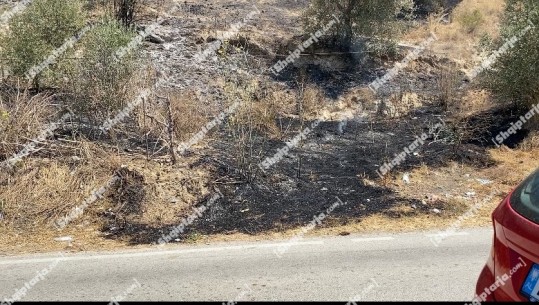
[392, 267]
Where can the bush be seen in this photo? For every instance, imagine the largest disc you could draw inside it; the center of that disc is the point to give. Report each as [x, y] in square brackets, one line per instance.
[38, 30]
[470, 21]
[100, 83]
[514, 75]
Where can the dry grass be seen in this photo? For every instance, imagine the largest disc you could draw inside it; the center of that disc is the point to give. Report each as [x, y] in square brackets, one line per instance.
[22, 117]
[448, 86]
[188, 114]
[454, 180]
[313, 100]
[170, 192]
[52, 187]
[458, 38]
[260, 116]
[264, 109]
[490, 12]
[254, 114]
[514, 165]
[446, 186]
[150, 193]
[531, 143]
[473, 101]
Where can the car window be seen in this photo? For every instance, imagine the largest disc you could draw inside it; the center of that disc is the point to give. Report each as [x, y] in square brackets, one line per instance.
[525, 199]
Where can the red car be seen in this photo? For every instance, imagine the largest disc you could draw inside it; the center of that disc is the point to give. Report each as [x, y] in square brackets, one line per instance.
[512, 270]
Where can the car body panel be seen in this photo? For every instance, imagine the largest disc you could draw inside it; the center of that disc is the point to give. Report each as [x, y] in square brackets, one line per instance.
[515, 250]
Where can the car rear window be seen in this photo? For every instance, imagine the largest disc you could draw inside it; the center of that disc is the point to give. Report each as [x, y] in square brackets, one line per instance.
[525, 199]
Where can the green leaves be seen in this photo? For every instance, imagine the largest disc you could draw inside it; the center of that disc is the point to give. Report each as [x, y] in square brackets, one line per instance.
[515, 76]
[357, 18]
[100, 83]
[40, 29]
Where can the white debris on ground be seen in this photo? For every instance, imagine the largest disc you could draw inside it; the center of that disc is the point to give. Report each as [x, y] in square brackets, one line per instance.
[406, 178]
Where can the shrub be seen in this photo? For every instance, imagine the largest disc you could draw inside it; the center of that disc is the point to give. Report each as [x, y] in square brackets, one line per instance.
[101, 83]
[514, 75]
[485, 43]
[470, 21]
[38, 30]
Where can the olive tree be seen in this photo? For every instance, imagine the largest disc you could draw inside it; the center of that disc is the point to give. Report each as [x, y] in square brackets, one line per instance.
[356, 17]
[515, 73]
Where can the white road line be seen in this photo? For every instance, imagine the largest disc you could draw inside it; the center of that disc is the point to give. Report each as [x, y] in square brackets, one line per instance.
[369, 239]
[154, 253]
[444, 234]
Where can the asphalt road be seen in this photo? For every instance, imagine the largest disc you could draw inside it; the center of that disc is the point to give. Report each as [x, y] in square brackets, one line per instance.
[392, 267]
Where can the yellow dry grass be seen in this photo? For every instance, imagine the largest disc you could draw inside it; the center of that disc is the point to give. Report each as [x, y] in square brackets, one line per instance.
[454, 39]
[44, 190]
[473, 102]
[531, 142]
[41, 190]
[21, 117]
